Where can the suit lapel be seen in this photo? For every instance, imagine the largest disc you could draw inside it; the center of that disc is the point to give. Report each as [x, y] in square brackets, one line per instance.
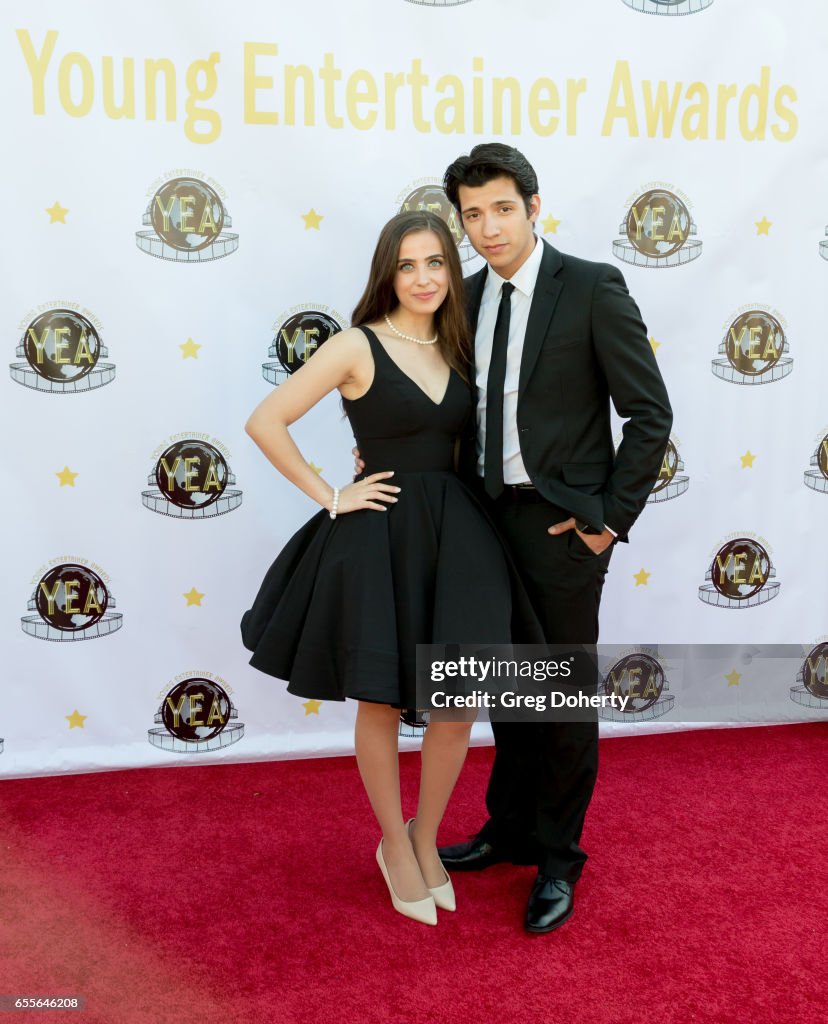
[474, 286]
[544, 299]
[474, 296]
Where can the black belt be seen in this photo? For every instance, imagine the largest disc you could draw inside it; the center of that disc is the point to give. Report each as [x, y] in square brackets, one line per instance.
[521, 493]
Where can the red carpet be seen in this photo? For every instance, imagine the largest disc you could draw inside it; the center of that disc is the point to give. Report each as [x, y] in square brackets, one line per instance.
[248, 894]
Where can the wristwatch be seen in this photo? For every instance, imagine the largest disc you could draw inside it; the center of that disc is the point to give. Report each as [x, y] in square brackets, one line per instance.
[583, 527]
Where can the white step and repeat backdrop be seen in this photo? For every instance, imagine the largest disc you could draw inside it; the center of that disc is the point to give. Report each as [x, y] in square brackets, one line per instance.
[195, 189]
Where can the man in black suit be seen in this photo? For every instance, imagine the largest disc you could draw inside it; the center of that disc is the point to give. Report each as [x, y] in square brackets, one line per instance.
[556, 340]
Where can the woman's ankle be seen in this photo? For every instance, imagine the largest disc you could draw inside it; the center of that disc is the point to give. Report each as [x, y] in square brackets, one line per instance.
[420, 839]
[396, 843]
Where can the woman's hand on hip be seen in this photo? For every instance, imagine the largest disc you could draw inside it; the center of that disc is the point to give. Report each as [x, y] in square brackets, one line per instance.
[368, 493]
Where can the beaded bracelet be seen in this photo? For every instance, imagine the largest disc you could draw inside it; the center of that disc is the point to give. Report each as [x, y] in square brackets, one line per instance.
[334, 503]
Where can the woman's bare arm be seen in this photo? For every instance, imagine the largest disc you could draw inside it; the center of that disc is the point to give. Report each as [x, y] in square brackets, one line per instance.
[343, 359]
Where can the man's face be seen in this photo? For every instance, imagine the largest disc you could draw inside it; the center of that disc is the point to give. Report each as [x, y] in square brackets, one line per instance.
[494, 216]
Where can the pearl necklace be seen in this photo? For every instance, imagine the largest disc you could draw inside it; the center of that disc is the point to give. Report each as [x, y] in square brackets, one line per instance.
[408, 337]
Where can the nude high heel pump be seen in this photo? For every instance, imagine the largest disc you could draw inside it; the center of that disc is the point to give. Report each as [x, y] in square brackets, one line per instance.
[424, 911]
[443, 894]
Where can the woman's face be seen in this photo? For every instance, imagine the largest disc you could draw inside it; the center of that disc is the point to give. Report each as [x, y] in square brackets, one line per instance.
[421, 281]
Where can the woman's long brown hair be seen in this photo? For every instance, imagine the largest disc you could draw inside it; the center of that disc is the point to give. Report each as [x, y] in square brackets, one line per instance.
[379, 298]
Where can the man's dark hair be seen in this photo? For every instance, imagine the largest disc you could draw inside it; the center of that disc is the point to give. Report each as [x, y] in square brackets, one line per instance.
[487, 161]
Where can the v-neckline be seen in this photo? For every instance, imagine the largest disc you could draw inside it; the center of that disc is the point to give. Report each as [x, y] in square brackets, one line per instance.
[410, 379]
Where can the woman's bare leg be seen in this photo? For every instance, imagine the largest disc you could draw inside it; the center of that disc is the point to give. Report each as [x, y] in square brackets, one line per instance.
[375, 739]
[444, 750]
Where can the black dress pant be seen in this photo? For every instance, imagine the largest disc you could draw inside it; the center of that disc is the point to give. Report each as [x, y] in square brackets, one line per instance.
[544, 772]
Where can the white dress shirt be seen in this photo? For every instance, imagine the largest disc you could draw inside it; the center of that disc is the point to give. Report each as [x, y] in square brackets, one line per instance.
[514, 472]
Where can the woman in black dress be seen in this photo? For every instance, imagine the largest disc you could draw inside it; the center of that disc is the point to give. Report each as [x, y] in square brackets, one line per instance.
[402, 555]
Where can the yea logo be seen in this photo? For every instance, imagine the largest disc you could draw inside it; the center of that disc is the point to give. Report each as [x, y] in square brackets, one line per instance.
[741, 574]
[297, 334]
[753, 348]
[811, 689]
[71, 601]
[196, 715]
[191, 478]
[817, 477]
[185, 218]
[671, 480]
[62, 349]
[657, 230]
[641, 678]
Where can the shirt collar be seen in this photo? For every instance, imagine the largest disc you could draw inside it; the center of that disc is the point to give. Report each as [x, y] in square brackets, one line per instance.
[523, 279]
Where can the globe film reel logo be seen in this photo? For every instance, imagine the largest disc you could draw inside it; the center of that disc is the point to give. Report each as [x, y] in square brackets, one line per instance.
[668, 7]
[741, 575]
[671, 480]
[752, 350]
[641, 678]
[812, 679]
[186, 217]
[817, 477]
[296, 336]
[196, 716]
[657, 230]
[428, 194]
[62, 349]
[192, 479]
[71, 601]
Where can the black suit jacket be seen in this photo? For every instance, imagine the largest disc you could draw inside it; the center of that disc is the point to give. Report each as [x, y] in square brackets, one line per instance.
[585, 345]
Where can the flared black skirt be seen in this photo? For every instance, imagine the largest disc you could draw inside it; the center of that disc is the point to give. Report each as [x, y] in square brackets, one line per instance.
[341, 609]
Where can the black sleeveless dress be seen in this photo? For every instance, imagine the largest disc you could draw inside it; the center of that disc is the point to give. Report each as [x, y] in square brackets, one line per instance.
[340, 611]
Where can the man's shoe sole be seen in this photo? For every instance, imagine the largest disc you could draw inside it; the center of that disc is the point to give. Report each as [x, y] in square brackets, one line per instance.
[550, 928]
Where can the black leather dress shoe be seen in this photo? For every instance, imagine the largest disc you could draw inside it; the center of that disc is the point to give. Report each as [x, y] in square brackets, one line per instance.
[471, 856]
[550, 904]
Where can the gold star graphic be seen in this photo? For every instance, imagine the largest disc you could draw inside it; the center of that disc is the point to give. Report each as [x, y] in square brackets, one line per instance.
[193, 597]
[312, 707]
[315, 468]
[57, 213]
[733, 678]
[763, 226]
[76, 719]
[189, 350]
[312, 219]
[654, 345]
[66, 477]
[550, 225]
[747, 459]
[641, 577]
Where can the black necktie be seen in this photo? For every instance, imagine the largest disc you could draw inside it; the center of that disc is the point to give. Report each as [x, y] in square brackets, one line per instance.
[493, 454]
